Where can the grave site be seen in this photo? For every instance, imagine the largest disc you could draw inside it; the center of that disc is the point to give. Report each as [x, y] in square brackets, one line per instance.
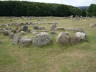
[47, 44]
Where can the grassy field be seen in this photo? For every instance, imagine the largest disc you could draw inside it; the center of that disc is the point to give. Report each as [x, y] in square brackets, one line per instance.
[53, 57]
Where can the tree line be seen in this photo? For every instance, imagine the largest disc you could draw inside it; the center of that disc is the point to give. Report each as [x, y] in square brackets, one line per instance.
[92, 10]
[23, 8]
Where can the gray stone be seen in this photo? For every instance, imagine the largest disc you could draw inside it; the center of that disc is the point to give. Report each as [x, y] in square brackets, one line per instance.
[38, 28]
[81, 35]
[41, 39]
[74, 40]
[25, 41]
[11, 35]
[5, 32]
[53, 27]
[25, 28]
[16, 38]
[63, 38]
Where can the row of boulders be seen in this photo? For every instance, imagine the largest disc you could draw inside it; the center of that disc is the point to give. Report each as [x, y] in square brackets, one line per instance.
[17, 24]
[44, 38]
[53, 28]
[40, 39]
[24, 28]
[24, 23]
[66, 38]
[7, 32]
[38, 27]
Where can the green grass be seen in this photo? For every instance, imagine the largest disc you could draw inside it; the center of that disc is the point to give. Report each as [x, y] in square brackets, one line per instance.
[53, 57]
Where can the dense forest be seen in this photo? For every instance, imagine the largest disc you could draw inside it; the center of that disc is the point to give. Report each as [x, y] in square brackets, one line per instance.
[92, 10]
[23, 8]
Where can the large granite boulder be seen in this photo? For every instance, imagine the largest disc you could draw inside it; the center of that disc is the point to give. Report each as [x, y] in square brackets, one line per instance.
[63, 38]
[41, 39]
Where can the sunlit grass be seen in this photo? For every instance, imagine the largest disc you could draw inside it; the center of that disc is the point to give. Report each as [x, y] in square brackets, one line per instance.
[52, 57]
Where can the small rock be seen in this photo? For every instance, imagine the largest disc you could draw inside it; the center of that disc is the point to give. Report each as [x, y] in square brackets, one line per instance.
[25, 28]
[38, 28]
[74, 40]
[25, 41]
[60, 28]
[11, 35]
[16, 38]
[53, 27]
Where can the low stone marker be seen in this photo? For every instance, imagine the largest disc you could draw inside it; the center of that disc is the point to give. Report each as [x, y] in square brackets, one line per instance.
[53, 27]
[25, 41]
[25, 28]
[16, 38]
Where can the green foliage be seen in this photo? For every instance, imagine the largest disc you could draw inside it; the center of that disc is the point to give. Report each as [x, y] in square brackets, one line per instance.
[92, 10]
[23, 8]
[63, 10]
[84, 12]
[75, 11]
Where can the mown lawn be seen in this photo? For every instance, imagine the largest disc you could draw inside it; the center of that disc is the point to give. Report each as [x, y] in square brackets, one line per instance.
[53, 57]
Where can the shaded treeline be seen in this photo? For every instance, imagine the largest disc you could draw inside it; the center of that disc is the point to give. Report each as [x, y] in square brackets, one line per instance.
[23, 8]
[92, 10]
